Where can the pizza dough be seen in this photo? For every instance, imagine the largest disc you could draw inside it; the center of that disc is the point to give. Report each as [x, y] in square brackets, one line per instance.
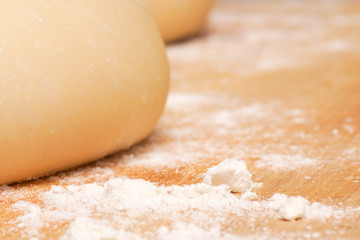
[78, 80]
[177, 19]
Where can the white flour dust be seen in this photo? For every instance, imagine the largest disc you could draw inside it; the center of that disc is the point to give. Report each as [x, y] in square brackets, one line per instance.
[282, 161]
[202, 120]
[128, 205]
[198, 127]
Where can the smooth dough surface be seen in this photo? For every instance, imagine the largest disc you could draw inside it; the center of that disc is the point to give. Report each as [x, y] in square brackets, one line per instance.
[78, 80]
[178, 19]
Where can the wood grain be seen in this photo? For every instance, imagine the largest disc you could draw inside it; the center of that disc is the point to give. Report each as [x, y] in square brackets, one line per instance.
[299, 62]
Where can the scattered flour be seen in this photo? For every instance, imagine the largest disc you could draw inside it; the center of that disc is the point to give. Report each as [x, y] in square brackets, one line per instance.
[90, 229]
[31, 219]
[130, 204]
[178, 101]
[284, 162]
[208, 116]
[349, 128]
[183, 230]
[126, 201]
[339, 45]
[350, 151]
[293, 208]
[335, 132]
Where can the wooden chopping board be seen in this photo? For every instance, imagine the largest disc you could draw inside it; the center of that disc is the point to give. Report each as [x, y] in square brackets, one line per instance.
[264, 82]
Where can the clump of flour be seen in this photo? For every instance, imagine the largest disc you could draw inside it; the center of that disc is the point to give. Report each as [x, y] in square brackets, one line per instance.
[179, 212]
[232, 173]
[289, 208]
[293, 208]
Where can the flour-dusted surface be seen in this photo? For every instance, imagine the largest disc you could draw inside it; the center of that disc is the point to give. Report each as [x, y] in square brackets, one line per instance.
[273, 85]
[115, 208]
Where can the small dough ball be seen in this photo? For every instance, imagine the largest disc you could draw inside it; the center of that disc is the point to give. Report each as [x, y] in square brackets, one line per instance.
[178, 19]
[78, 80]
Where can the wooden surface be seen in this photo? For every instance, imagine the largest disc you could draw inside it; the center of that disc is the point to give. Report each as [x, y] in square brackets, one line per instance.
[265, 79]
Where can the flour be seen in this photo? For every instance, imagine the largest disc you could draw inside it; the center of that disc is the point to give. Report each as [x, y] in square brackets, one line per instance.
[293, 208]
[91, 229]
[194, 211]
[232, 173]
[339, 45]
[285, 162]
[183, 230]
[177, 101]
[31, 220]
[349, 128]
[335, 132]
[201, 127]
[199, 116]
[127, 201]
[289, 208]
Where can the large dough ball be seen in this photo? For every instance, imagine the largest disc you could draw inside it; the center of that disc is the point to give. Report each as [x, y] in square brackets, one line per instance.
[177, 19]
[78, 80]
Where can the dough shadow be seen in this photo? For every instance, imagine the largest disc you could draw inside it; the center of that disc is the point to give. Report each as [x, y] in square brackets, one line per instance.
[203, 33]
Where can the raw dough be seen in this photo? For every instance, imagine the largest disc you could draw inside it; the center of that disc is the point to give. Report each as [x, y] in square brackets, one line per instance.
[78, 80]
[177, 19]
